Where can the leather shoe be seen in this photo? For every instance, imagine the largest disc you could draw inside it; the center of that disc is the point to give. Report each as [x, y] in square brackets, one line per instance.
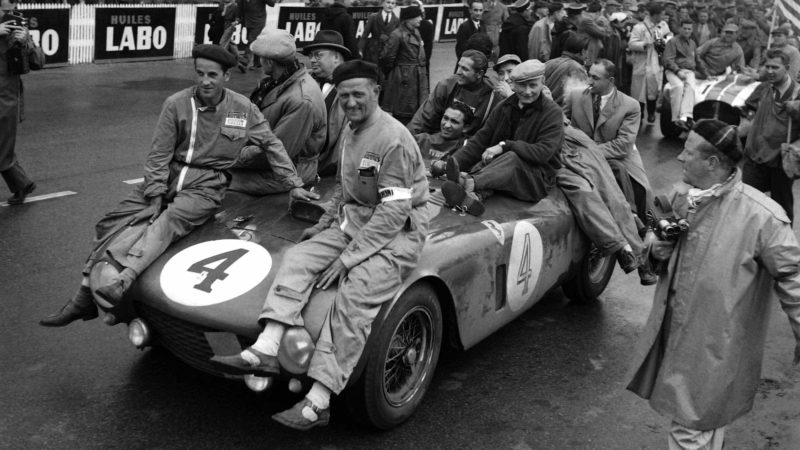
[453, 171]
[19, 197]
[294, 418]
[70, 313]
[456, 195]
[646, 275]
[236, 365]
[627, 260]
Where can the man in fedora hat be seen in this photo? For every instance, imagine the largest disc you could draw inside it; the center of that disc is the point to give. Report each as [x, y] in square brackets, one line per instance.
[292, 102]
[515, 152]
[325, 53]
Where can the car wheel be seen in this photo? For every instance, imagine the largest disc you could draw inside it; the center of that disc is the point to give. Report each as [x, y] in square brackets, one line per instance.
[668, 130]
[593, 276]
[400, 365]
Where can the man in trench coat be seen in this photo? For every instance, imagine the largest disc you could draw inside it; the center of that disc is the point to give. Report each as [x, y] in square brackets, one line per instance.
[699, 359]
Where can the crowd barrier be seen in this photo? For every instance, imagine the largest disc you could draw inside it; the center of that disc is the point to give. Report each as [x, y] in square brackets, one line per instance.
[83, 34]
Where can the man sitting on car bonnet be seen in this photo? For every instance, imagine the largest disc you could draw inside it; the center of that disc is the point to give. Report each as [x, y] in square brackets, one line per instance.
[185, 178]
[370, 237]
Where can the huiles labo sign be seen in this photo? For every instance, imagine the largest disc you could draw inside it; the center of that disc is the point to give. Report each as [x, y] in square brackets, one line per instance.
[134, 33]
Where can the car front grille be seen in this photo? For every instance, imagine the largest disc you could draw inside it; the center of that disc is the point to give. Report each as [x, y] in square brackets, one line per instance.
[186, 340]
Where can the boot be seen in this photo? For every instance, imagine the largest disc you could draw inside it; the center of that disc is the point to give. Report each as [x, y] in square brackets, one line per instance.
[79, 307]
[651, 111]
[116, 288]
[18, 183]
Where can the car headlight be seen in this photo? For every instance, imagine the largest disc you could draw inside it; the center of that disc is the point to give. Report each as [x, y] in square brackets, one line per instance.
[296, 349]
[257, 384]
[139, 333]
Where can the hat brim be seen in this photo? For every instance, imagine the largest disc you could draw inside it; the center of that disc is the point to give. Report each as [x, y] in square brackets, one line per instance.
[322, 45]
[522, 80]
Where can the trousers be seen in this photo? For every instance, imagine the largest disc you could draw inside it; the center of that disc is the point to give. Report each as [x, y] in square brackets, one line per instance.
[681, 97]
[264, 182]
[770, 179]
[682, 438]
[507, 173]
[635, 193]
[360, 295]
[137, 247]
[16, 178]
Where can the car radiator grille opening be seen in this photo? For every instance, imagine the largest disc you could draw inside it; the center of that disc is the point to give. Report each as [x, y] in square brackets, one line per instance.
[185, 340]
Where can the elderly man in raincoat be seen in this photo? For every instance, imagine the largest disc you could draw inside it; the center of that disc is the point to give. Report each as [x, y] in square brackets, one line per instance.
[699, 359]
[647, 76]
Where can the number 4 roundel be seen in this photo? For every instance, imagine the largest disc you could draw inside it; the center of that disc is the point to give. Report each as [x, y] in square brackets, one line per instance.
[214, 272]
[524, 264]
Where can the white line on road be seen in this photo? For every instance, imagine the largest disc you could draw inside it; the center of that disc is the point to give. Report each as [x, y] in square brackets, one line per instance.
[134, 181]
[44, 197]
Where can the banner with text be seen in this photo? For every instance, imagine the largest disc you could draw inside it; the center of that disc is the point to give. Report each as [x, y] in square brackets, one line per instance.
[452, 17]
[202, 25]
[134, 33]
[49, 28]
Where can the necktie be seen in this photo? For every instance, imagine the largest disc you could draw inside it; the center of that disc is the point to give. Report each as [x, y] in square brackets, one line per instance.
[386, 18]
[596, 109]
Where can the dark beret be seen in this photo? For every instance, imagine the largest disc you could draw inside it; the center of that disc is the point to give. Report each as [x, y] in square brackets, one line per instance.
[215, 53]
[410, 12]
[722, 136]
[356, 68]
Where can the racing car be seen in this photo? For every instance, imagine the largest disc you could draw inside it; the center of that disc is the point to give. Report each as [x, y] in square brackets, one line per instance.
[716, 97]
[475, 275]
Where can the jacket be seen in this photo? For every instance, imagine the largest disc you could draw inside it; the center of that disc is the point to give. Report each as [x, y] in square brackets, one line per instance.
[564, 73]
[770, 123]
[254, 12]
[375, 35]
[679, 54]
[428, 117]
[616, 129]
[537, 140]
[330, 155]
[647, 74]
[539, 40]
[712, 32]
[195, 140]
[711, 307]
[337, 18]
[296, 112]
[403, 58]
[514, 36]
[465, 30]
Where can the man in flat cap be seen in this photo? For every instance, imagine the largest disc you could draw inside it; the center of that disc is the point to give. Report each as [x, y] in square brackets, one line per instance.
[715, 56]
[699, 359]
[203, 132]
[369, 238]
[503, 67]
[780, 41]
[293, 105]
[515, 152]
[325, 53]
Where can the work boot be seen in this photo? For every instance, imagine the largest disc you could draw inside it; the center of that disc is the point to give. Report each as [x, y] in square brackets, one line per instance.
[627, 260]
[453, 171]
[646, 275]
[438, 168]
[19, 197]
[303, 416]
[79, 307]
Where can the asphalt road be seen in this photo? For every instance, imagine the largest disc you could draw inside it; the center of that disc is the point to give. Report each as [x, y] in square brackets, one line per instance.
[553, 379]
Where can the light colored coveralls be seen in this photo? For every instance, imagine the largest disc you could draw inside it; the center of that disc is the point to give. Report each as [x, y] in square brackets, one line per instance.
[192, 149]
[376, 225]
[699, 358]
[646, 78]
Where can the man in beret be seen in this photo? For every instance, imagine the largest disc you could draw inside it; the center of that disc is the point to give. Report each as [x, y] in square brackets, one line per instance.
[292, 103]
[699, 359]
[515, 152]
[369, 238]
[469, 86]
[203, 132]
[325, 53]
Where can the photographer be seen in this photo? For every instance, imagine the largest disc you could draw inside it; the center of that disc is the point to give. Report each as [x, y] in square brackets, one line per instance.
[15, 43]
[644, 45]
[699, 359]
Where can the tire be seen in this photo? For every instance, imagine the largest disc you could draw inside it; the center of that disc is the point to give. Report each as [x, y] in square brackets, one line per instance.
[407, 345]
[593, 275]
[668, 130]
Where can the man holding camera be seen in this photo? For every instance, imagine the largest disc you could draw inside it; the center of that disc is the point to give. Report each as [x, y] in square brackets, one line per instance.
[699, 359]
[14, 37]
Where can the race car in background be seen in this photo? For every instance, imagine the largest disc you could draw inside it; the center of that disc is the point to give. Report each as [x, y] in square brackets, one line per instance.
[475, 275]
[717, 97]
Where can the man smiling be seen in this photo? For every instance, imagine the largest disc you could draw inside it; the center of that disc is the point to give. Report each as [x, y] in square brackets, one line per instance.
[515, 152]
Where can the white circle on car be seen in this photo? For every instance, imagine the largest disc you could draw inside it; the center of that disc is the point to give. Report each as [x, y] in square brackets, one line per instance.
[214, 271]
[524, 265]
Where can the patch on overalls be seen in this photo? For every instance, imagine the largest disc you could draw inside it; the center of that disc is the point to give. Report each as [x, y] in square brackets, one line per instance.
[214, 272]
[370, 160]
[236, 119]
[524, 265]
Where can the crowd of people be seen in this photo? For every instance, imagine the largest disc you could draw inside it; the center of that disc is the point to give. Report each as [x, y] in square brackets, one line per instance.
[543, 96]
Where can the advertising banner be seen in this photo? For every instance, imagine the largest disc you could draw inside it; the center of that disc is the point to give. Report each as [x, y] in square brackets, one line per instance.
[452, 17]
[202, 25]
[303, 23]
[49, 28]
[134, 33]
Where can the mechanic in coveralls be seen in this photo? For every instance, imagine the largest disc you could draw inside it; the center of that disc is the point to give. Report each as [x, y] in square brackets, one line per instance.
[370, 237]
[202, 131]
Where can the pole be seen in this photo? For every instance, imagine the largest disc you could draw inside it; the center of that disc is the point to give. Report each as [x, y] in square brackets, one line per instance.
[772, 25]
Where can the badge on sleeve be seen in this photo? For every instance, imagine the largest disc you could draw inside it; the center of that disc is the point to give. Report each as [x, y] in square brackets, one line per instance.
[236, 119]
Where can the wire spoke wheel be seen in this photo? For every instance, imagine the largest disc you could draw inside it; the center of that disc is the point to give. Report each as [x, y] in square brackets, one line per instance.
[408, 357]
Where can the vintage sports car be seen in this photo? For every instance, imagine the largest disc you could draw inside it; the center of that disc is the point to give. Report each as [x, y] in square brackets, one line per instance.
[475, 274]
[717, 97]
